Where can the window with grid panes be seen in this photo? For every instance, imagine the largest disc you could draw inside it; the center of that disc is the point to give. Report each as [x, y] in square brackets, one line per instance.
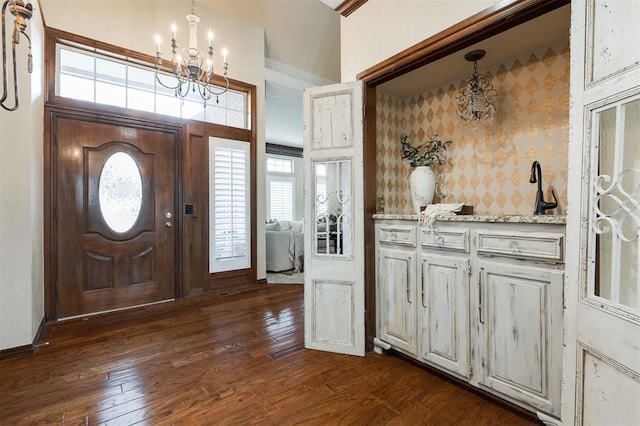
[89, 76]
[280, 188]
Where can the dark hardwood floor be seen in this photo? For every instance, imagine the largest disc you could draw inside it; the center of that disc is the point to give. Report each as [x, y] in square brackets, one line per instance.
[235, 359]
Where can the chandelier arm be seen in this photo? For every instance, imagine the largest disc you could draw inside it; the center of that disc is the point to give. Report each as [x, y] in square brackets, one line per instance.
[213, 92]
[180, 82]
[179, 91]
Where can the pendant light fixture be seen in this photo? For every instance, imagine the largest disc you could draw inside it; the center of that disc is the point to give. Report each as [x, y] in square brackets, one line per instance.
[192, 69]
[476, 99]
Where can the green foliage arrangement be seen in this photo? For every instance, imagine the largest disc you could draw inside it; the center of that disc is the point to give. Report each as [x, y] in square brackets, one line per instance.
[429, 153]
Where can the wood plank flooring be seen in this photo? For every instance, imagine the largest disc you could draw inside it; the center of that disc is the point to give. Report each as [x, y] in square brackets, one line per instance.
[235, 359]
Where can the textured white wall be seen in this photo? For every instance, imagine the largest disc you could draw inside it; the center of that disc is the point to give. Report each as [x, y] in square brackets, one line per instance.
[21, 261]
[381, 28]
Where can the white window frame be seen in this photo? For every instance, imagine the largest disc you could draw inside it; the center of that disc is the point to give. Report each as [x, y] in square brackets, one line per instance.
[283, 177]
[238, 261]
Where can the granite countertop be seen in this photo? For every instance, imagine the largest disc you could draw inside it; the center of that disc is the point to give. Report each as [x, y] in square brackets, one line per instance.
[546, 219]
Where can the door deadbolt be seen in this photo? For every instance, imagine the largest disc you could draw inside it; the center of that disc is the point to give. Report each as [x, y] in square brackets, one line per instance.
[168, 215]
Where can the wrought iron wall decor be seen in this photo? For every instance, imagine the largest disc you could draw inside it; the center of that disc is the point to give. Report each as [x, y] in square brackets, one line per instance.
[22, 12]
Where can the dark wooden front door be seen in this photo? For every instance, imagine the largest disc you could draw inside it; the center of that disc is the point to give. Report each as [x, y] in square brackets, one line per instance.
[114, 197]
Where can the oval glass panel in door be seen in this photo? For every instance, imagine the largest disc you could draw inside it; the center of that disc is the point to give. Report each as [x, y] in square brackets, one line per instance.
[120, 192]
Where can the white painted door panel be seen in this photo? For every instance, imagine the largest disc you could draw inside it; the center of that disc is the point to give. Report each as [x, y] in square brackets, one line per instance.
[334, 226]
[444, 308]
[396, 296]
[519, 332]
[601, 372]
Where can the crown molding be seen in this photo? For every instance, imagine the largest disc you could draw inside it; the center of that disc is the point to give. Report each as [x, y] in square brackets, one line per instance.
[500, 17]
[347, 7]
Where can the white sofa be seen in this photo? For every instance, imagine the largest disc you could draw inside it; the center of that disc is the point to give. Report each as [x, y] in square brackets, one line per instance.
[284, 246]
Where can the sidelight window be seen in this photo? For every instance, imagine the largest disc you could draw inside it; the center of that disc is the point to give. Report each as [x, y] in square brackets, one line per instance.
[230, 216]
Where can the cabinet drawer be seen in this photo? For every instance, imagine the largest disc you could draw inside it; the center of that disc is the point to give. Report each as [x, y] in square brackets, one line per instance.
[401, 235]
[451, 239]
[538, 245]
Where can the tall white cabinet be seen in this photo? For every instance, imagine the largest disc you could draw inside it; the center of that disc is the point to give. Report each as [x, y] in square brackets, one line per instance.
[478, 297]
[444, 314]
[396, 286]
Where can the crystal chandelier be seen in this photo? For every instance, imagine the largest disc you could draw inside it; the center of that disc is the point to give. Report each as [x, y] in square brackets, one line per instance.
[476, 98]
[192, 69]
[22, 10]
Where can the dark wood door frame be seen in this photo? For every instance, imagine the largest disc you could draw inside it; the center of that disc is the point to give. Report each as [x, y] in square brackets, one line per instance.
[487, 23]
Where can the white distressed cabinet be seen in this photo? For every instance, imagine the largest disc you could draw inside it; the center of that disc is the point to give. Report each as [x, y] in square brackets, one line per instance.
[397, 288]
[443, 312]
[520, 332]
[485, 299]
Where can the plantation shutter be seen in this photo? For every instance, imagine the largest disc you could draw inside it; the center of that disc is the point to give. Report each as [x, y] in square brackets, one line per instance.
[281, 198]
[229, 214]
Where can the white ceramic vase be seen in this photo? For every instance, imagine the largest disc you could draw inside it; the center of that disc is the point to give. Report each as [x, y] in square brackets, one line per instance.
[422, 182]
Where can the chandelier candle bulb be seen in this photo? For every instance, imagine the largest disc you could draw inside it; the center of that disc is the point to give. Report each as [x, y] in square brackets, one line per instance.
[210, 37]
[157, 40]
[173, 30]
[225, 52]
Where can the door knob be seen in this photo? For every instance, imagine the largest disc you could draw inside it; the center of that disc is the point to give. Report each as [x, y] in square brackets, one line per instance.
[167, 224]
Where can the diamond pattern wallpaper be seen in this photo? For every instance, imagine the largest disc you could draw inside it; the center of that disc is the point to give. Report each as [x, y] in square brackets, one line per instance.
[490, 166]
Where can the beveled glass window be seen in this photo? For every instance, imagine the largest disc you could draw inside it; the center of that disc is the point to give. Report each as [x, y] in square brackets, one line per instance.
[616, 207]
[332, 206]
[120, 192]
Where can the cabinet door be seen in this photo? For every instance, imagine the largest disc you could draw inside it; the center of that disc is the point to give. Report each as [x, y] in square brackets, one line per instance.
[396, 299]
[444, 312]
[520, 332]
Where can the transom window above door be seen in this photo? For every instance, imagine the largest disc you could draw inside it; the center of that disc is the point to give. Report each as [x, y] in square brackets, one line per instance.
[89, 76]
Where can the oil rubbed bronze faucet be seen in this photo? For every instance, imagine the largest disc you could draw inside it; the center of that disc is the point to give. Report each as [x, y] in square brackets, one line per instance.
[541, 205]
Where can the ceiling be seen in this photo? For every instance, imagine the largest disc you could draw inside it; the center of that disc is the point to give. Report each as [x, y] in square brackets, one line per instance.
[332, 3]
[545, 30]
[283, 115]
[284, 122]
